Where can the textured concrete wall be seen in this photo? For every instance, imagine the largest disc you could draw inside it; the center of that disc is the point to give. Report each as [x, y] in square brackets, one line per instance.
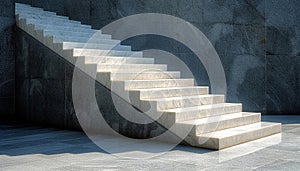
[257, 40]
[7, 59]
[43, 86]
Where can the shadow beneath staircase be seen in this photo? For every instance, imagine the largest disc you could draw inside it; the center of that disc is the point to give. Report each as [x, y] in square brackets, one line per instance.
[23, 139]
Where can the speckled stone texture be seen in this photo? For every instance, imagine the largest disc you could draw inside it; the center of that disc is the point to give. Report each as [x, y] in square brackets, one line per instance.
[257, 41]
[7, 60]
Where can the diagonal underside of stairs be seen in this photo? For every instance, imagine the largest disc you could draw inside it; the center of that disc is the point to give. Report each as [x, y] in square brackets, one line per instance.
[214, 124]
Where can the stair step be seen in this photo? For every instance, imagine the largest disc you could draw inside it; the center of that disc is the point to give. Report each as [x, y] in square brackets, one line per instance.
[147, 75]
[216, 123]
[30, 12]
[26, 6]
[41, 16]
[63, 23]
[35, 10]
[185, 101]
[128, 67]
[118, 60]
[63, 28]
[120, 80]
[144, 84]
[71, 45]
[170, 92]
[75, 34]
[234, 136]
[97, 52]
[48, 20]
[60, 39]
[197, 112]
[19, 10]
[20, 5]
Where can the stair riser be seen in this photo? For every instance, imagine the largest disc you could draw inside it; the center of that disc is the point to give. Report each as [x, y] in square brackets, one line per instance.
[173, 93]
[29, 8]
[162, 84]
[44, 18]
[219, 144]
[225, 124]
[210, 112]
[41, 16]
[58, 39]
[106, 68]
[64, 28]
[66, 23]
[27, 12]
[95, 46]
[115, 60]
[76, 34]
[106, 53]
[130, 76]
[144, 76]
[33, 11]
[164, 105]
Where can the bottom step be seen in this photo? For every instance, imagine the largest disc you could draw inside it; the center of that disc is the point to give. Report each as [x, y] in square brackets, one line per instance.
[234, 136]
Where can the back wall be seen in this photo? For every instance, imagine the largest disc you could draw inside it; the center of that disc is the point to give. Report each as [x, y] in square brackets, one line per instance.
[257, 41]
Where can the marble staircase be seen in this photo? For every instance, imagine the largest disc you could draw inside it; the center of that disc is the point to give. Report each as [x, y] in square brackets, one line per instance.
[214, 123]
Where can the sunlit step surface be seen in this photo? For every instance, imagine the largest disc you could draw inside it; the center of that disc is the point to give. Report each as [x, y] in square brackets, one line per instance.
[153, 93]
[102, 46]
[127, 67]
[186, 101]
[216, 123]
[147, 75]
[204, 111]
[98, 52]
[143, 84]
[117, 60]
[234, 136]
[60, 39]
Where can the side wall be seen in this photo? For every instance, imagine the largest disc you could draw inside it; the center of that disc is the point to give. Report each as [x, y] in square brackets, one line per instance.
[7, 60]
[258, 42]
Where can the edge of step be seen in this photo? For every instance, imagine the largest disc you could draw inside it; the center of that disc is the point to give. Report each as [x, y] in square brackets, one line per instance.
[233, 136]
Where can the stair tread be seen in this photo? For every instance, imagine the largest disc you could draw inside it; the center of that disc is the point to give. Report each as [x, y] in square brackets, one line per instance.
[41, 16]
[186, 109]
[238, 130]
[146, 72]
[181, 79]
[182, 97]
[82, 40]
[142, 65]
[120, 60]
[68, 31]
[63, 27]
[100, 50]
[217, 118]
[117, 57]
[89, 43]
[171, 88]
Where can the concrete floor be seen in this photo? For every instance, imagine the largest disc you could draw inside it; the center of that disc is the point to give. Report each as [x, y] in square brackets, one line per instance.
[24, 147]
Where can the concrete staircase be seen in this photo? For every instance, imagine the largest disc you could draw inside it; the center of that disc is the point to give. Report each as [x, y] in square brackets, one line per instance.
[214, 124]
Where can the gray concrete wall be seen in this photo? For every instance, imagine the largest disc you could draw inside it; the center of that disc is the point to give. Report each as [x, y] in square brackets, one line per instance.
[258, 42]
[44, 92]
[7, 60]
